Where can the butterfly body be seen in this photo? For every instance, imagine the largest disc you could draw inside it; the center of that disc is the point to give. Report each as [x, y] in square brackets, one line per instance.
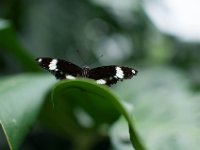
[107, 75]
[85, 71]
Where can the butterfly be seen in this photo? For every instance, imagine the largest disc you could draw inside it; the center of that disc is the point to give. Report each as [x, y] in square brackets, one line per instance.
[106, 75]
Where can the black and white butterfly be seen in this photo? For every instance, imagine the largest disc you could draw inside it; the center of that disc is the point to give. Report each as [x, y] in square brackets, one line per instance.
[107, 75]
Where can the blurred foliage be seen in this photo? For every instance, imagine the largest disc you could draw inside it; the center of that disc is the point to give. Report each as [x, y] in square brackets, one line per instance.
[59, 28]
[164, 94]
[167, 114]
[16, 121]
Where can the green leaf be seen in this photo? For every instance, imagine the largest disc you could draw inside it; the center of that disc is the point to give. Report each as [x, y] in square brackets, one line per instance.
[96, 102]
[11, 44]
[21, 98]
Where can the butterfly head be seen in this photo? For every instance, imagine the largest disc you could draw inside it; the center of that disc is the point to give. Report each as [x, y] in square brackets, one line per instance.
[85, 71]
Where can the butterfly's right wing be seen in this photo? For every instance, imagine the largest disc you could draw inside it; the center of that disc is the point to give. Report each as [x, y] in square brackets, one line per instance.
[111, 74]
[61, 69]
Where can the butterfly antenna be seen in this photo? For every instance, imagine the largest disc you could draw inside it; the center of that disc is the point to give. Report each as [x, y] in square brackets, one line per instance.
[99, 57]
[81, 58]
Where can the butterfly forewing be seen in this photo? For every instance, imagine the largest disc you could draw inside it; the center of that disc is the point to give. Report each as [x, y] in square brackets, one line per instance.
[61, 69]
[111, 74]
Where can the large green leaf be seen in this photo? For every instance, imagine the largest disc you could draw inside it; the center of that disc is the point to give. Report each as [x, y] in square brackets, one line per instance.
[96, 102]
[21, 98]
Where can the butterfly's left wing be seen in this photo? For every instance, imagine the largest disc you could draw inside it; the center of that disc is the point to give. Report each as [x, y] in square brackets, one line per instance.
[60, 68]
[111, 74]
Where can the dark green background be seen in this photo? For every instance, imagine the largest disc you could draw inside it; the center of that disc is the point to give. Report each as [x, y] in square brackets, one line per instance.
[165, 93]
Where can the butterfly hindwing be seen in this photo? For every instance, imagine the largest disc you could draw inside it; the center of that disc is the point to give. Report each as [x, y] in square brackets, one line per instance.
[111, 74]
[61, 69]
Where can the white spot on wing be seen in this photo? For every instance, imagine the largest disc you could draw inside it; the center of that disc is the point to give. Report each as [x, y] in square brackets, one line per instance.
[119, 73]
[52, 65]
[70, 77]
[101, 81]
[133, 71]
[40, 60]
